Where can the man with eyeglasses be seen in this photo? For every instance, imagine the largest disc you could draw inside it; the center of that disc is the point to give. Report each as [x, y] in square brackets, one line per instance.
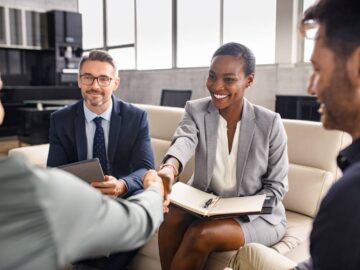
[335, 80]
[105, 127]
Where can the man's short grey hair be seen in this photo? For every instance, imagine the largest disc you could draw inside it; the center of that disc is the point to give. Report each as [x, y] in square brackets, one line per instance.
[101, 56]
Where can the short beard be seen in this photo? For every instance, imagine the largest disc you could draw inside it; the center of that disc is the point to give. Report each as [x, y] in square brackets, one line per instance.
[338, 100]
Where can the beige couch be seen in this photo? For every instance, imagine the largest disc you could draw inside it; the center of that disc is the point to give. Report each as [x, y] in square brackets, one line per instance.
[312, 152]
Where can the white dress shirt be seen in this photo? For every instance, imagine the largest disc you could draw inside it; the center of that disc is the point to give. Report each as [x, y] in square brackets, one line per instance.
[223, 181]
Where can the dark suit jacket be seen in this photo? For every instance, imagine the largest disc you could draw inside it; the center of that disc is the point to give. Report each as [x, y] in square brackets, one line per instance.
[129, 151]
[335, 237]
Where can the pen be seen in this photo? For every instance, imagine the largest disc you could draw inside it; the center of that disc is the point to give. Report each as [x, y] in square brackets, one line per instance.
[207, 203]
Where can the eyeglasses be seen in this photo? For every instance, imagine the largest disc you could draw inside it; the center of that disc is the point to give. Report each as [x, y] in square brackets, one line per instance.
[310, 29]
[102, 80]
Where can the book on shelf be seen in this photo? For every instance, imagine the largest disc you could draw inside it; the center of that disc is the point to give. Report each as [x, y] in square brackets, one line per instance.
[208, 205]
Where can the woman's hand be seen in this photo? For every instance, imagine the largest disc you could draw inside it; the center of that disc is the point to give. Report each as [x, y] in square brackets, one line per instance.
[168, 178]
[167, 175]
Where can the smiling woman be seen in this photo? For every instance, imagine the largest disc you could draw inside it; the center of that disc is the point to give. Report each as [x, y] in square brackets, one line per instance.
[227, 83]
[230, 75]
[240, 150]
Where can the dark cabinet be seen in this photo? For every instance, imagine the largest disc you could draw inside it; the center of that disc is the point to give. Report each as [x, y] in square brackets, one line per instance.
[65, 38]
[297, 107]
[59, 35]
[28, 109]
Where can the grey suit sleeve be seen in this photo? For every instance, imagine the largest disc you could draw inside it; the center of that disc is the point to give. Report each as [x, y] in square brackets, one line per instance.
[85, 223]
[185, 138]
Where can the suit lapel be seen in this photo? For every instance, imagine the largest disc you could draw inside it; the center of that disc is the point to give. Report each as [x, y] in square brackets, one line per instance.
[246, 134]
[80, 134]
[211, 127]
[114, 132]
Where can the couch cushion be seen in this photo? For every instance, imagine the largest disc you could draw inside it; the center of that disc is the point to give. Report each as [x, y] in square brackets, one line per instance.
[307, 186]
[309, 144]
[298, 230]
[142, 262]
[159, 147]
[162, 120]
[36, 154]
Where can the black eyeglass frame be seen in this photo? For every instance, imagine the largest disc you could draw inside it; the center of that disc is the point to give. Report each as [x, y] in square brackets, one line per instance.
[97, 79]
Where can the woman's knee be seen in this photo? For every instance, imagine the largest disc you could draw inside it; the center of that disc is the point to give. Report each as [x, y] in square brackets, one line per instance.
[198, 238]
[214, 236]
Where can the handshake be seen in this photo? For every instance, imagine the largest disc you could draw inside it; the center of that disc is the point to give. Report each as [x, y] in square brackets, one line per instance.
[163, 179]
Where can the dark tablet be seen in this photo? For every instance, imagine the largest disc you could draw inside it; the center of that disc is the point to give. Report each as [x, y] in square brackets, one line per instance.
[88, 170]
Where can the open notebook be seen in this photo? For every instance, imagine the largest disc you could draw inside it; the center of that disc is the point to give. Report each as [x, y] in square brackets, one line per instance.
[209, 205]
[88, 170]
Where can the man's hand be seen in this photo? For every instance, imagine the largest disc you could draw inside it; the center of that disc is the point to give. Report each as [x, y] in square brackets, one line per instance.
[168, 178]
[151, 178]
[110, 186]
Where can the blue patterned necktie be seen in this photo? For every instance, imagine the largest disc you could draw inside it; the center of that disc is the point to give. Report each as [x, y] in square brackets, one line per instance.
[99, 149]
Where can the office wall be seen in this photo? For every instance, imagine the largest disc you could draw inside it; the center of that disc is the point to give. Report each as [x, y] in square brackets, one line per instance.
[42, 5]
[270, 80]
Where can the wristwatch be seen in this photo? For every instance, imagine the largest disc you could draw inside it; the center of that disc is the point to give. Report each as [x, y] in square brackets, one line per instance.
[176, 172]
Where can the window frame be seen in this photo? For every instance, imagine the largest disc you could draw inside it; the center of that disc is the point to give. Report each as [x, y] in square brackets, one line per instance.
[174, 36]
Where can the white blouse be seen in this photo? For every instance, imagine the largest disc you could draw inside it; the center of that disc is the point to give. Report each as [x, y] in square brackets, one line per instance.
[223, 181]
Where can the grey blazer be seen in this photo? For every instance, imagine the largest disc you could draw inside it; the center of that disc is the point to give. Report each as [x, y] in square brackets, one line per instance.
[262, 163]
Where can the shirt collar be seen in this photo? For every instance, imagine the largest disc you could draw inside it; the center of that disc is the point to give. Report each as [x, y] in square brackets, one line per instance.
[89, 115]
[349, 155]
